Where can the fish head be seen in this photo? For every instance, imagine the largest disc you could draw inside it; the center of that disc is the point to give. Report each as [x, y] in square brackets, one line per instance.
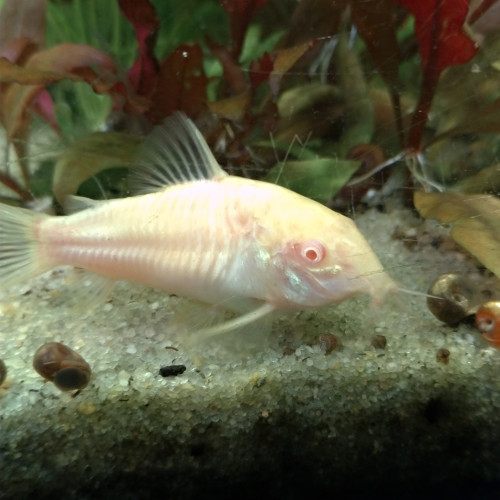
[319, 257]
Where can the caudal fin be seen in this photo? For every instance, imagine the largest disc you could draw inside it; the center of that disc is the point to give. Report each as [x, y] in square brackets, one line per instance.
[20, 256]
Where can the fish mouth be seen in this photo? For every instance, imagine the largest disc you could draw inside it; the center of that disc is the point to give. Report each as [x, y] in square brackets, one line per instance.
[305, 288]
[320, 288]
[341, 287]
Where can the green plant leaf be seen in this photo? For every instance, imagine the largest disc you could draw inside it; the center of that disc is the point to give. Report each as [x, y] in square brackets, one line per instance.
[485, 120]
[90, 155]
[319, 179]
[359, 115]
[487, 180]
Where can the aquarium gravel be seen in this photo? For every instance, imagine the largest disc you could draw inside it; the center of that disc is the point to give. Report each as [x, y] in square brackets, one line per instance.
[400, 402]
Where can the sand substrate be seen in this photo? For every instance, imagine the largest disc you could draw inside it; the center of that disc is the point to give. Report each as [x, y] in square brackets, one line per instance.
[271, 415]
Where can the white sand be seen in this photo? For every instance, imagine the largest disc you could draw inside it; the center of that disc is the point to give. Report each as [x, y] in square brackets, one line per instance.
[346, 422]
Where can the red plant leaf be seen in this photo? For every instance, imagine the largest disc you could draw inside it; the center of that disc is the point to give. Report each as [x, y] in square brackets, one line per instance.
[43, 105]
[439, 29]
[240, 13]
[442, 43]
[143, 74]
[181, 84]
[261, 69]
[18, 50]
[14, 186]
[68, 56]
[43, 68]
[234, 76]
[374, 21]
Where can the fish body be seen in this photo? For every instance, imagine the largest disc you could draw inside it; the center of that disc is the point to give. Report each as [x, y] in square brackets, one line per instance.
[247, 245]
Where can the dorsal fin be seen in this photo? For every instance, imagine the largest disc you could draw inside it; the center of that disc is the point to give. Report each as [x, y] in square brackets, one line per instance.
[174, 152]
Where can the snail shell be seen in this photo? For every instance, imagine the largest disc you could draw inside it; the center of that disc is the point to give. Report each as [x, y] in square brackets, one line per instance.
[62, 365]
[488, 322]
[454, 298]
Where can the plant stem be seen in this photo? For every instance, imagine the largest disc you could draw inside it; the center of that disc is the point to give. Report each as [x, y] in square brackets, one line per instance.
[9, 182]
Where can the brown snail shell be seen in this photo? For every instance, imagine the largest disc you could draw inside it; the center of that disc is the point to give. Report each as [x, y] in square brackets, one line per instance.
[454, 298]
[62, 365]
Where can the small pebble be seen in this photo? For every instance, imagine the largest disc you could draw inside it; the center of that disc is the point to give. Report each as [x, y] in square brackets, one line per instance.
[443, 356]
[379, 342]
[86, 408]
[327, 342]
[172, 370]
[131, 349]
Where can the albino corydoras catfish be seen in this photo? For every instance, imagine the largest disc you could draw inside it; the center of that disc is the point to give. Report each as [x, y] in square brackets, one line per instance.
[249, 246]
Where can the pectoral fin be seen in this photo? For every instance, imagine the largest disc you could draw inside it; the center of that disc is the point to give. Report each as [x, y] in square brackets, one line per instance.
[235, 323]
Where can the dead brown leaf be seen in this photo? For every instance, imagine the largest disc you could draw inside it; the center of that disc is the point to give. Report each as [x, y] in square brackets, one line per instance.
[474, 220]
[22, 19]
[232, 108]
[12, 73]
[64, 61]
[284, 60]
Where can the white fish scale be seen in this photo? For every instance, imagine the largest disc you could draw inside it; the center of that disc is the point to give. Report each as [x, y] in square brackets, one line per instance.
[232, 228]
[190, 239]
[209, 247]
[202, 252]
[211, 243]
[175, 240]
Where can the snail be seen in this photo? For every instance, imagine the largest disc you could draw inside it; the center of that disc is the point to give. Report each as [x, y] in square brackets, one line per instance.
[488, 322]
[62, 365]
[452, 298]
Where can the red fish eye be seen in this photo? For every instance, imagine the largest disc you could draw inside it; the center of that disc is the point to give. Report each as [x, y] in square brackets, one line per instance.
[311, 254]
[313, 251]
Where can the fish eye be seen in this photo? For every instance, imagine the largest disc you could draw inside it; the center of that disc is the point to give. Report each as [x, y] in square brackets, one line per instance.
[312, 251]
